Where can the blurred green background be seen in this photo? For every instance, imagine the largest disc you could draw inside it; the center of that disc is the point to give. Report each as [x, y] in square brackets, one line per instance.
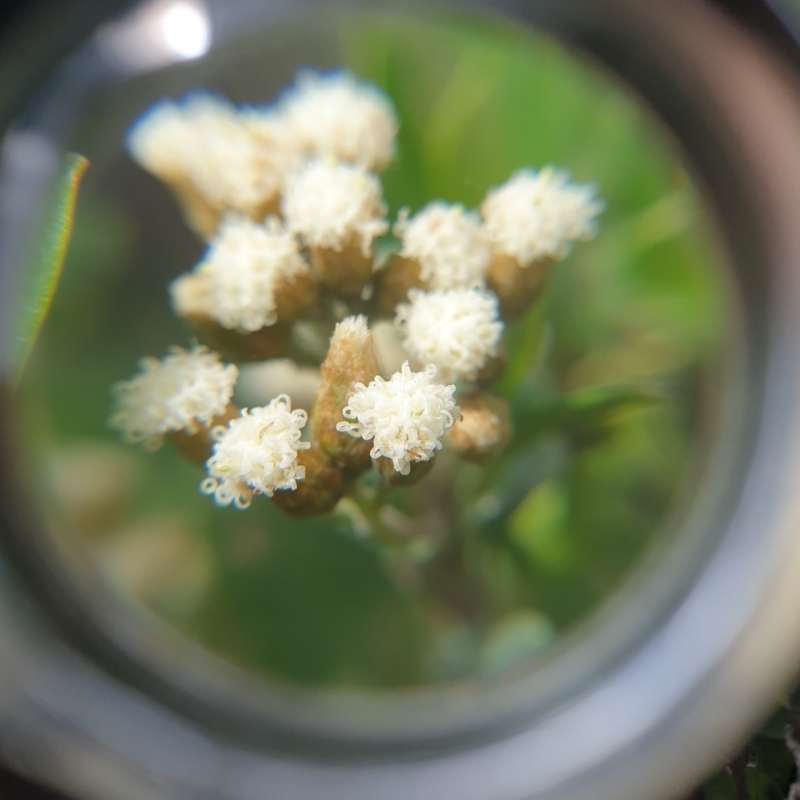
[609, 376]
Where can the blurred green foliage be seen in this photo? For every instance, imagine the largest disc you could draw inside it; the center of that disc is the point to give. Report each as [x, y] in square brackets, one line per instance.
[607, 379]
[45, 272]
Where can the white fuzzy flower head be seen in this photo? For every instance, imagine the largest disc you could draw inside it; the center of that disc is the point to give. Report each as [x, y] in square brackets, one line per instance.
[235, 282]
[539, 214]
[185, 390]
[405, 416]
[234, 160]
[240, 166]
[256, 454]
[161, 139]
[335, 115]
[330, 204]
[457, 330]
[448, 242]
[192, 295]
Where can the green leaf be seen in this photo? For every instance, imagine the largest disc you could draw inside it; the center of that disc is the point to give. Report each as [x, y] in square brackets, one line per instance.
[775, 726]
[526, 345]
[582, 414]
[761, 786]
[43, 276]
[721, 787]
[539, 526]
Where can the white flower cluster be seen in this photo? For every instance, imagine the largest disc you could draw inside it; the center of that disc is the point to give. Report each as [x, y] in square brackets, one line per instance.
[235, 282]
[241, 158]
[448, 242]
[456, 330]
[311, 157]
[533, 215]
[331, 204]
[538, 215]
[233, 161]
[405, 416]
[185, 390]
[256, 454]
[334, 115]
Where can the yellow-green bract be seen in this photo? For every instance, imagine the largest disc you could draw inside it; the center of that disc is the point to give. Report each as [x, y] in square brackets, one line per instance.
[41, 282]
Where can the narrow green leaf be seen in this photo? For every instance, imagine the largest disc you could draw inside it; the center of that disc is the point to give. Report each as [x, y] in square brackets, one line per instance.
[580, 413]
[42, 279]
[527, 343]
[539, 526]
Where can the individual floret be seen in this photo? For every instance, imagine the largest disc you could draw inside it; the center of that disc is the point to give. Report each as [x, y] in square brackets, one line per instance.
[256, 454]
[186, 390]
[457, 330]
[405, 417]
[448, 243]
[538, 215]
[337, 210]
[330, 204]
[239, 280]
[335, 115]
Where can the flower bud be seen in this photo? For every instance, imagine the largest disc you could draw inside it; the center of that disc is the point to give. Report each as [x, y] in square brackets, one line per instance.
[517, 286]
[532, 220]
[337, 211]
[483, 430]
[457, 330]
[350, 360]
[296, 297]
[344, 271]
[318, 492]
[184, 392]
[334, 114]
[404, 417]
[256, 453]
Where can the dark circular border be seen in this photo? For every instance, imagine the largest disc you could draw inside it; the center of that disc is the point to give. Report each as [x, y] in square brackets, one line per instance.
[655, 718]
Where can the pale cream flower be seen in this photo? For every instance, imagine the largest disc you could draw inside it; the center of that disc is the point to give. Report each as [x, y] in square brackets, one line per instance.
[185, 390]
[354, 327]
[331, 204]
[405, 417]
[277, 153]
[456, 330]
[192, 295]
[539, 214]
[256, 454]
[163, 138]
[449, 244]
[335, 115]
[235, 282]
[234, 160]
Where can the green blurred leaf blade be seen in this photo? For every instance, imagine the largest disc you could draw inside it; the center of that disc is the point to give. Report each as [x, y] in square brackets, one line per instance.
[45, 271]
